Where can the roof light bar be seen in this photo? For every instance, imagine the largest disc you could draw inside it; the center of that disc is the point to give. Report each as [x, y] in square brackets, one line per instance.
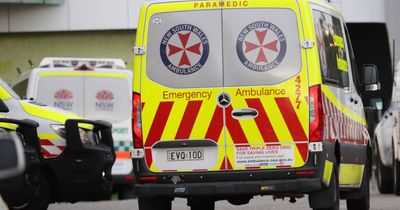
[77, 62]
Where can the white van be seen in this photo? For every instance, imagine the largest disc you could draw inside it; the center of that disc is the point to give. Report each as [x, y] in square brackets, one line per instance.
[387, 142]
[98, 89]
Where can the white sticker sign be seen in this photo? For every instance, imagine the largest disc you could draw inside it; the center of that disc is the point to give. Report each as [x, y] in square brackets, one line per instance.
[279, 155]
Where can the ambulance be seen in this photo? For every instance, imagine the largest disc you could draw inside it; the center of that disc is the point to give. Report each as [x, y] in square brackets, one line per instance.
[234, 99]
[74, 159]
[96, 89]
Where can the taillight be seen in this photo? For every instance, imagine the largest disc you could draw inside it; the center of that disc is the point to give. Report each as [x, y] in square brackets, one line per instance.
[137, 121]
[316, 114]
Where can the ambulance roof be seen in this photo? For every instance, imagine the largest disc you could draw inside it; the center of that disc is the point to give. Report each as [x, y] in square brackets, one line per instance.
[327, 3]
[108, 63]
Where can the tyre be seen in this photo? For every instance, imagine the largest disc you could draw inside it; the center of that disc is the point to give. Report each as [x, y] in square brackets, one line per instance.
[332, 192]
[396, 176]
[39, 200]
[364, 201]
[154, 203]
[384, 178]
[202, 204]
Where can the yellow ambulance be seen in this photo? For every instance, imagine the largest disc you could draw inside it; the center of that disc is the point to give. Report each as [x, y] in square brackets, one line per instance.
[238, 98]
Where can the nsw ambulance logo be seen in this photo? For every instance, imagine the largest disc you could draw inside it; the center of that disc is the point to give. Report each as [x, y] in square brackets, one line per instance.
[184, 49]
[63, 99]
[261, 46]
[105, 100]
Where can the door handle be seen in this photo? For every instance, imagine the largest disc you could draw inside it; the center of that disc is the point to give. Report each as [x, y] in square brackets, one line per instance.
[245, 113]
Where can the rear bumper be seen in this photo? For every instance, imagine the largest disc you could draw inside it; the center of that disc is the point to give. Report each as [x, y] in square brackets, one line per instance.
[289, 181]
[302, 185]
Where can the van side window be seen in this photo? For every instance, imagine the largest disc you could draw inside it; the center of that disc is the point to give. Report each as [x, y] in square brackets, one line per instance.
[354, 70]
[331, 49]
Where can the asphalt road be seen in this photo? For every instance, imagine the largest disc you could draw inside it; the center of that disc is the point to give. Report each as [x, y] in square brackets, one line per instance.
[378, 202]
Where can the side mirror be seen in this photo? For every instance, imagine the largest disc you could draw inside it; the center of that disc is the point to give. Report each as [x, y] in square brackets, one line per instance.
[3, 107]
[12, 158]
[371, 78]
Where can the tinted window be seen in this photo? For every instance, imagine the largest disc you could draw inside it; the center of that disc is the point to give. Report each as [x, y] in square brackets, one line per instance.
[184, 49]
[261, 46]
[331, 49]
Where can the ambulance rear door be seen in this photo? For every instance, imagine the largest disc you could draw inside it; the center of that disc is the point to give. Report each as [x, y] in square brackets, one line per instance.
[266, 81]
[96, 94]
[181, 80]
[108, 96]
[58, 88]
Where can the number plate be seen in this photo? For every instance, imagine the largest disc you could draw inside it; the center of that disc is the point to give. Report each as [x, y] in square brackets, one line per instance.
[185, 155]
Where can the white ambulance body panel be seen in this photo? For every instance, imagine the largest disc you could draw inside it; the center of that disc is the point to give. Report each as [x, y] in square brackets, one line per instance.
[96, 94]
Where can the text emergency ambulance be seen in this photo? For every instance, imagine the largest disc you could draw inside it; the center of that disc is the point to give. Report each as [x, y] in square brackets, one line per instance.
[77, 155]
[96, 89]
[241, 98]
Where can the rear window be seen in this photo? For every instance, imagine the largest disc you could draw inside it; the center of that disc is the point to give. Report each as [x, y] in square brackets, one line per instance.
[61, 92]
[184, 49]
[261, 46]
[105, 98]
[108, 99]
[331, 49]
[246, 47]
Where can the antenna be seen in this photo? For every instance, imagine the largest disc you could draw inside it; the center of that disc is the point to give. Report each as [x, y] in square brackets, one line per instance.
[19, 70]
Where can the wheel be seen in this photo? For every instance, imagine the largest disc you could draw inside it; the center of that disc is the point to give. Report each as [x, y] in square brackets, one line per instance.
[39, 200]
[329, 194]
[364, 201]
[383, 175]
[201, 204]
[125, 193]
[396, 176]
[154, 203]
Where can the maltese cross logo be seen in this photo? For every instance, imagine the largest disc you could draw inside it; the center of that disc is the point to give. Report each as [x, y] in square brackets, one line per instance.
[184, 49]
[261, 46]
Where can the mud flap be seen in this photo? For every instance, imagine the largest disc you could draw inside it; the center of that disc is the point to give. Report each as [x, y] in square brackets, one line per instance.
[327, 197]
[83, 170]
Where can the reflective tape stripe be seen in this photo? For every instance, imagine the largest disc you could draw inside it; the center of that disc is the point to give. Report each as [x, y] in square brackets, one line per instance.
[327, 172]
[49, 136]
[291, 119]
[123, 155]
[52, 148]
[9, 126]
[159, 122]
[188, 120]
[4, 95]
[263, 123]
[52, 115]
[216, 125]
[236, 135]
[350, 174]
[234, 128]
[226, 164]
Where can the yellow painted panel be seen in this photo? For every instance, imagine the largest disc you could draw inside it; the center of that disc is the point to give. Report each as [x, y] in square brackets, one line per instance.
[327, 172]
[350, 174]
